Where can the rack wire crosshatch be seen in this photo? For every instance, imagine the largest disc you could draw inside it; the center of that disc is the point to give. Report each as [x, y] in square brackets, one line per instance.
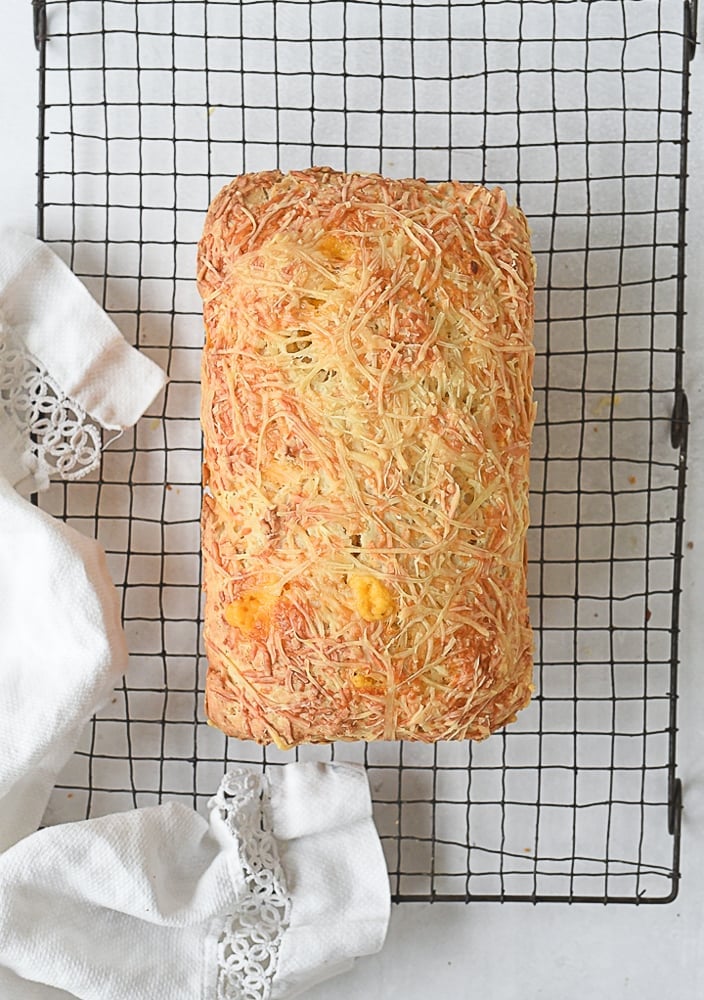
[580, 110]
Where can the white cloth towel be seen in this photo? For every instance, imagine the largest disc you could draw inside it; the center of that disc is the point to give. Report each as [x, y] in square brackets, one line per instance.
[282, 889]
[62, 652]
[63, 365]
[65, 330]
[286, 883]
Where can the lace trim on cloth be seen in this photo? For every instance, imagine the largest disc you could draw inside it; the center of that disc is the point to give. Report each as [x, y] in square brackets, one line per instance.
[248, 948]
[59, 435]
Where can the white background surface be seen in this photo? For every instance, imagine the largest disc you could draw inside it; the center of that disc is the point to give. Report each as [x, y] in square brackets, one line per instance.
[487, 950]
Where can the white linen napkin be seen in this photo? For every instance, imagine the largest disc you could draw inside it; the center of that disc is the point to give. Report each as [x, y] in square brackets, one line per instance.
[65, 371]
[286, 883]
[282, 889]
[64, 329]
[62, 652]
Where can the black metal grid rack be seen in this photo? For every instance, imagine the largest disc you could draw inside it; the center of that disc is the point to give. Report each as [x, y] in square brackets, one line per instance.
[580, 111]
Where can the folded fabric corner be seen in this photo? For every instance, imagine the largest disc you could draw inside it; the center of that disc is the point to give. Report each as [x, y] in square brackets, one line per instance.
[62, 327]
[316, 875]
[335, 870]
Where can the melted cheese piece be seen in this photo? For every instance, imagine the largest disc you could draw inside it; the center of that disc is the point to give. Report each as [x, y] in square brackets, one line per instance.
[372, 599]
[249, 610]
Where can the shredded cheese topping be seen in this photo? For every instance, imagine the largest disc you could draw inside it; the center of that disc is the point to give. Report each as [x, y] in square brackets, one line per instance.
[367, 413]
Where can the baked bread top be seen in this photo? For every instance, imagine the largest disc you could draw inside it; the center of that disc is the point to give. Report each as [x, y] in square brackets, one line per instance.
[367, 412]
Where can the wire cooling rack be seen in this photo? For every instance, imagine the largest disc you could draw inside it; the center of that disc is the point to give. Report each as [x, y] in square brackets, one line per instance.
[580, 111]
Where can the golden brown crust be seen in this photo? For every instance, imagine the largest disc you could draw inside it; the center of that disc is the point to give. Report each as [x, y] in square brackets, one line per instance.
[367, 412]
